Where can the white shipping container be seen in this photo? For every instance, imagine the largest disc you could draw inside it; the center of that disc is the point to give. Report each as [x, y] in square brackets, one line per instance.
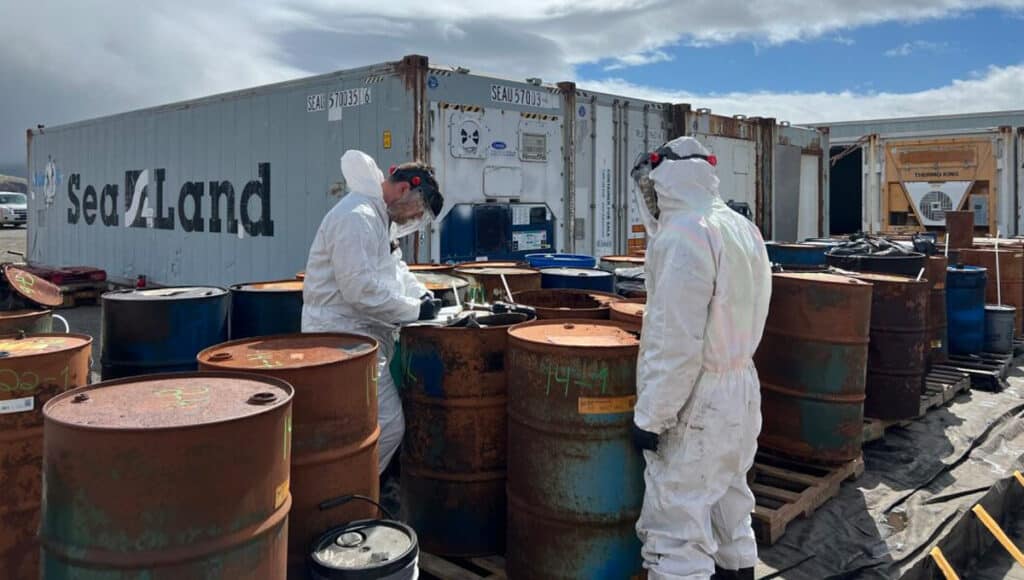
[231, 188]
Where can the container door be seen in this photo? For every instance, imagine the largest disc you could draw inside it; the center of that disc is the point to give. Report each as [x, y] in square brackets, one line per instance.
[807, 224]
[492, 154]
[786, 178]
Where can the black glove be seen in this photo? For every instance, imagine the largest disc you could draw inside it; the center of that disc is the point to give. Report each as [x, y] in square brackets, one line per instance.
[644, 440]
[429, 307]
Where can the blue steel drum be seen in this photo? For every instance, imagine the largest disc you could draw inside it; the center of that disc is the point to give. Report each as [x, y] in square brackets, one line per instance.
[798, 256]
[575, 480]
[160, 330]
[266, 308]
[561, 261]
[578, 278]
[965, 308]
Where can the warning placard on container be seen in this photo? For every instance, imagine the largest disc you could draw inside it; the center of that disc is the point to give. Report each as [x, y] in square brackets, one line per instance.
[606, 405]
[529, 240]
[21, 405]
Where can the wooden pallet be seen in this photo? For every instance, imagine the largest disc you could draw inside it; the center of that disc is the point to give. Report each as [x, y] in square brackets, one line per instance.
[85, 293]
[442, 568]
[942, 385]
[988, 371]
[785, 490]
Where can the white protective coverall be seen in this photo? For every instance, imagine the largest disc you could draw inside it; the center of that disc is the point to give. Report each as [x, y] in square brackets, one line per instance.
[355, 283]
[709, 285]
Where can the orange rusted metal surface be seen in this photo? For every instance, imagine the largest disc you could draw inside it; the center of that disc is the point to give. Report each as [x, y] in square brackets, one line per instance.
[812, 362]
[485, 282]
[453, 454]
[334, 430]
[32, 287]
[938, 348]
[168, 477]
[567, 303]
[27, 321]
[575, 480]
[629, 312]
[33, 370]
[899, 346]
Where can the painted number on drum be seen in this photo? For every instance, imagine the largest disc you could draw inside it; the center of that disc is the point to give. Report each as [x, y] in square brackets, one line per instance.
[185, 398]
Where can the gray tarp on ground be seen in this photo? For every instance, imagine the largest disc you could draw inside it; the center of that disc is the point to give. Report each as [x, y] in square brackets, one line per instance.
[882, 523]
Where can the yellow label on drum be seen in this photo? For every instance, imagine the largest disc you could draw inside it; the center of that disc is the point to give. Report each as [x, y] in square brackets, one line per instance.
[606, 405]
[281, 494]
[936, 343]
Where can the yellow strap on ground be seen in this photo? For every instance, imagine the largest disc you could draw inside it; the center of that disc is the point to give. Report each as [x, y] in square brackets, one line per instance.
[943, 564]
[1020, 478]
[998, 533]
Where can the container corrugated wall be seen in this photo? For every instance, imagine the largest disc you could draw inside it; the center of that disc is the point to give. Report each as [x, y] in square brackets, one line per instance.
[276, 146]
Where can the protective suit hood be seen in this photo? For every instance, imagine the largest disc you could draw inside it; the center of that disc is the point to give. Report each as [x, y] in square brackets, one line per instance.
[362, 174]
[688, 183]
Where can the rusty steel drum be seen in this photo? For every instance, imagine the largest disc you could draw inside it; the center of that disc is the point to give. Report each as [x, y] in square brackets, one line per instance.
[959, 229]
[28, 289]
[899, 346]
[334, 429]
[567, 303]
[451, 290]
[575, 479]
[33, 370]
[938, 348]
[431, 268]
[629, 312]
[485, 283]
[812, 362]
[1011, 275]
[27, 321]
[453, 455]
[611, 263]
[167, 477]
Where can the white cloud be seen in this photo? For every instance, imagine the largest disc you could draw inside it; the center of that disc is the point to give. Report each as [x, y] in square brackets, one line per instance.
[997, 88]
[639, 59]
[71, 60]
[908, 48]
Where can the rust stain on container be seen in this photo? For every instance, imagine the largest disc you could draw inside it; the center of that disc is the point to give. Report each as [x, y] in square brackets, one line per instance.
[938, 349]
[27, 321]
[812, 362]
[486, 285]
[33, 370]
[1011, 274]
[453, 455]
[629, 312]
[334, 429]
[168, 476]
[899, 346]
[575, 480]
[567, 303]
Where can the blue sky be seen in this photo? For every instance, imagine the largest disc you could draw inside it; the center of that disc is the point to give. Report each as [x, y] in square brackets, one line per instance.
[891, 56]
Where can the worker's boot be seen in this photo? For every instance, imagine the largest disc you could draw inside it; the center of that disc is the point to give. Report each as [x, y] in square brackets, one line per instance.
[744, 574]
[723, 574]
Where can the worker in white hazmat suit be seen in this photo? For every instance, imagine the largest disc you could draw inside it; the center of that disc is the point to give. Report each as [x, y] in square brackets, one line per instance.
[356, 280]
[698, 411]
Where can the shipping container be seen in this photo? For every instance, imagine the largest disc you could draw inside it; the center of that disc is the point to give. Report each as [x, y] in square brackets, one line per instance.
[901, 175]
[232, 187]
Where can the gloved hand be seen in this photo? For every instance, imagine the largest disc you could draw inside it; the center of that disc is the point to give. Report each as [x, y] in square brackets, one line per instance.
[644, 440]
[429, 307]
